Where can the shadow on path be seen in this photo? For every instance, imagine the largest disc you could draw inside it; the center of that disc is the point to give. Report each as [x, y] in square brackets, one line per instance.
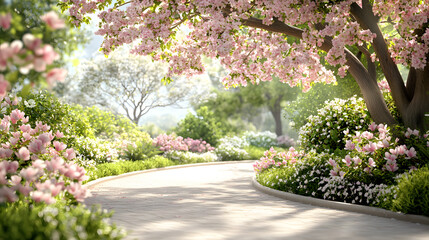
[218, 202]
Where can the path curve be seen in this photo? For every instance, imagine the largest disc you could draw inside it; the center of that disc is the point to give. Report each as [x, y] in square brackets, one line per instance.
[219, 202]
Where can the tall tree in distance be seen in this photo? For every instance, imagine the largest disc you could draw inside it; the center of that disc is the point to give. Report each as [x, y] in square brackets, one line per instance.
[130, 85]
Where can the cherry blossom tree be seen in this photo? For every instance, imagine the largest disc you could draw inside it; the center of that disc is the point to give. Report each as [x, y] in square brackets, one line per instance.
[258, 39]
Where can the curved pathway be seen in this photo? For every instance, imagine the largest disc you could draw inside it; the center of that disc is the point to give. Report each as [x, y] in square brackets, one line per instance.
[219, 202]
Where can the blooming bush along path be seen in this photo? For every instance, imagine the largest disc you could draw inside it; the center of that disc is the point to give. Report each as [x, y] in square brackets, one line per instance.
[218, 202]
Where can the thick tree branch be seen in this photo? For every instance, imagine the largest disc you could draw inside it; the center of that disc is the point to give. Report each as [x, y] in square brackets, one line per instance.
[367, 20]
[370, 91]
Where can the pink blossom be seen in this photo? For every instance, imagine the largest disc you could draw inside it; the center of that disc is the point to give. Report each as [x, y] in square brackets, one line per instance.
[371, 162]
[77, 190]
[59, 134]
[347, 160]
[391, 157]
[70, 154]
[55, 164]
[36, 146]
[357, 160]
[15, 180]
[12, 166]
[16, 115]
[373, 126]
[56, 74]
[31, 42]
[59, 146]
[7, 194]
[370, 147]
[411, 153]
[4, 85]
[23, 154]
[5, 153]
[5, 20]
[391, 167]
[30, 173]
[25, 128]
[26, 189]
[39, 164]
[45, 138]
[52, 20]
[349, 145]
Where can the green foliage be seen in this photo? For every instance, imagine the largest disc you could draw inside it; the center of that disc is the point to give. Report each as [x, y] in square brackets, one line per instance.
[120, 167]
[413, 193]
[302, 178]
[325, 131]
[22, 221]
[141, 150]
[204, 125]
[308, 103]
[254, 152]
[45, 107]
[106, 124]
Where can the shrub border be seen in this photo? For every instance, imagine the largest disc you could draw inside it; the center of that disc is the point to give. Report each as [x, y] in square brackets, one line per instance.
[95, 182]
[374, 211]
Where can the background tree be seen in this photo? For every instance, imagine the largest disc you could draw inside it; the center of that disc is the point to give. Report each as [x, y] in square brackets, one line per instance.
[250, 38]
[130, 85]
[247, 104]
[309, 102]
[272, 95]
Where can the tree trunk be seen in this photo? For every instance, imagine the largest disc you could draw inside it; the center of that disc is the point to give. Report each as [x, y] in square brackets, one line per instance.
[276, 111]
[414, 117]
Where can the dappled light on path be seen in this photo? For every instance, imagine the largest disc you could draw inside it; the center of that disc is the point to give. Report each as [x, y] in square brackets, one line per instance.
[218, 202]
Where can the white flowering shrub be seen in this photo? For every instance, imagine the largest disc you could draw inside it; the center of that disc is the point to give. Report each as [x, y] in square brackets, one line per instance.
[231, 148]
[311, 176]
[190, 157]
[96, 149]
[265, 139]
[339, 118]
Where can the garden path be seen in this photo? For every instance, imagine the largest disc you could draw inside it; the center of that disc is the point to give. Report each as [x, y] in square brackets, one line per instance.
[219, 202]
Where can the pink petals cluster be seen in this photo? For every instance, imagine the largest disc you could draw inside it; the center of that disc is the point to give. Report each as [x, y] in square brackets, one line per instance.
[34, 163]
[272, 158]
[215, 28]
[53, 20]
[30, 54]
[171, 142]
[5, 21]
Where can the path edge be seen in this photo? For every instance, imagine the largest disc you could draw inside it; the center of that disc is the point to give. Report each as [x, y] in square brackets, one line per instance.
[374, 211]
[95, 182]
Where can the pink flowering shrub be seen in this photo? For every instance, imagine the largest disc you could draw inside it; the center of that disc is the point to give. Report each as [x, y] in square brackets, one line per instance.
[197, 145]
[272, 158]
[35, 165]
[171, 142]
[380, 155]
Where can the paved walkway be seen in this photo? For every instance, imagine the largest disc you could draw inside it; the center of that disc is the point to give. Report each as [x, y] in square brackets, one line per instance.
[218, 202]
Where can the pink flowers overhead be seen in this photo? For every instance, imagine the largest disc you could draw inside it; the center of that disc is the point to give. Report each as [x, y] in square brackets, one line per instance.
[30, 53]
[52, 20]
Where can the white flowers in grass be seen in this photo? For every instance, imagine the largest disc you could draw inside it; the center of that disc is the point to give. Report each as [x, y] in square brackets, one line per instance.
[191, 157]
[30, 103]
